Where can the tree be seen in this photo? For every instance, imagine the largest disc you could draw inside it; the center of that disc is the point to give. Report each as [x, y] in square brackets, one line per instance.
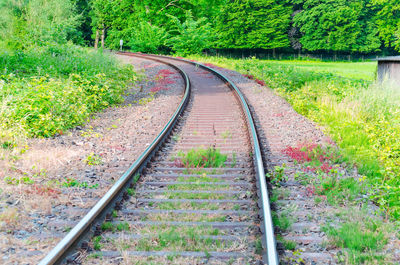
[337, 25]
[230, 27]
[101, 15]
[189, 37]
[135, 21]
[147, 38]
[84, 29]
[52, 20]
[254, 24]
[388, 22]
[25, 23]
[269, 21]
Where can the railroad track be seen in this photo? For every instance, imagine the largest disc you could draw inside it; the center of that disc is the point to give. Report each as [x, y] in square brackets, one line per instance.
[165, 211]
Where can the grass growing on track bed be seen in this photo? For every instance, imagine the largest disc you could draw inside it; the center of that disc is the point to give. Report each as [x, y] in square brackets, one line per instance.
[198, 158]
[47, 90]
[174, 238]
[363, 118]
[208, 196]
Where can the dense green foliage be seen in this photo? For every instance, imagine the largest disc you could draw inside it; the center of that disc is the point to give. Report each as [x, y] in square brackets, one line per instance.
[48, 84]
[335, 26]
[253, 24]
[147, 38]
[388, 21]
[37, 22]
[362, 118]
[186, 26]
[189, 37]
[48, 90]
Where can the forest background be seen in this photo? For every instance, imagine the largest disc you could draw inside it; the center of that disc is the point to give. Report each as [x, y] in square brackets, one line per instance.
[188, 26]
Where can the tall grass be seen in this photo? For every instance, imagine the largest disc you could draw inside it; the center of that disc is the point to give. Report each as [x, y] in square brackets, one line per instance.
[47, 90]
[361, 116]
[57, 60]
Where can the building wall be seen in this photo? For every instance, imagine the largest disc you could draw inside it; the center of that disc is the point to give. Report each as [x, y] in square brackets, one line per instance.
[389, 71]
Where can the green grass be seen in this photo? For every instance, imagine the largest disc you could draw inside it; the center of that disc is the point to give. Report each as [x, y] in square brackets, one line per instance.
[201, 158]
[208, 196]
[197, 183]
[354, 70]
[362, 117]
[193, 205]
[200, 230]
[47, 90]
[175, 241]
[122, 226]
[288, 244]
[180, 239]
[362, 238]
[106, 226]
[259, 247]
[197, 186]
[339, 191]
[109, 226]
[283, 219]
[279, 194]
[185, 217]
[96, 243]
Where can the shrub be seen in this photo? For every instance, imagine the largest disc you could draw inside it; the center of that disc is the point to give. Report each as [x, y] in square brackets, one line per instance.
[49, 90]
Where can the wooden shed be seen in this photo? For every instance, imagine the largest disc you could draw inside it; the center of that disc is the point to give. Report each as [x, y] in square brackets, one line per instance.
[389, 69]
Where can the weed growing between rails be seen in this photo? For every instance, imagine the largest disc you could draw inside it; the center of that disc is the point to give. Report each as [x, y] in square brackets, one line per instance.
[196, 159]
[352, 224]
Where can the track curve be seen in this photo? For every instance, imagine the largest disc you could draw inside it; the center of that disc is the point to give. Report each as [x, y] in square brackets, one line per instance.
[177, 214]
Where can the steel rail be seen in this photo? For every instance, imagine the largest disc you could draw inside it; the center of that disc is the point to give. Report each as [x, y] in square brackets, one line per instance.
[269, 242]
[107, 202]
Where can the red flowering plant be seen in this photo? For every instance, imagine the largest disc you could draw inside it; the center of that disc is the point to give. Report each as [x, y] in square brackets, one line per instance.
[314, 157]
[320, 172]
[163, 78]
[258, 81]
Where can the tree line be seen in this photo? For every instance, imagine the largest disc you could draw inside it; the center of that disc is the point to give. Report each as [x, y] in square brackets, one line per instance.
[190, 26]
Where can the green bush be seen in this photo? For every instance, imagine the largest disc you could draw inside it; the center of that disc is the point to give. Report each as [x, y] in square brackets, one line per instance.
[48, 90]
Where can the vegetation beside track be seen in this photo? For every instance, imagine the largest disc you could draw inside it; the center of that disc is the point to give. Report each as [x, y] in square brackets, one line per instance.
[48, 84]
[48, 90]
[350, 222]
[362, 117]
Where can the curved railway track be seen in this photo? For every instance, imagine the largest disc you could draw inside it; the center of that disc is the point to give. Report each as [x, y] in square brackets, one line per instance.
[160, 211]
